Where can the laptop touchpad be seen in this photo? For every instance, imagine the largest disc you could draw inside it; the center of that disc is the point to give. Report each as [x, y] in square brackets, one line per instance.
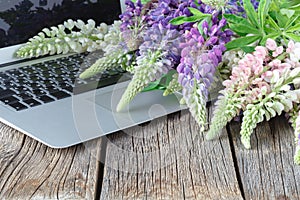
[142, 101]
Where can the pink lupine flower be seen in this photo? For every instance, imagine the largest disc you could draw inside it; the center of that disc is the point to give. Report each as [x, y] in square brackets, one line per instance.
[274, 63]
[278, 51]
[260, 51]
[291, 46]
[271, 44]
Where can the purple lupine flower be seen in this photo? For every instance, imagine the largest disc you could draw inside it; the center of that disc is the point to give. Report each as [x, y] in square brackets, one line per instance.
[165, 10]
[201, 55]
[133, 10]
[159, 38]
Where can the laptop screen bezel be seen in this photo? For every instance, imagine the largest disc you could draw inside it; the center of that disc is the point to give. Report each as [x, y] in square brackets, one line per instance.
[7, 54]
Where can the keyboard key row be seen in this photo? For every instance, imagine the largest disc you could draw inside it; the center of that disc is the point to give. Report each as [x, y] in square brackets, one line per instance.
[49, 81]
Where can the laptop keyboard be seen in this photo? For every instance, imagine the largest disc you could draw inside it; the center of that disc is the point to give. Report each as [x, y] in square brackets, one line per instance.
[41, 83]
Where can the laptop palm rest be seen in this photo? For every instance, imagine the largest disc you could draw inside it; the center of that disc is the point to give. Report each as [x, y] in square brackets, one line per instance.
[144, 107]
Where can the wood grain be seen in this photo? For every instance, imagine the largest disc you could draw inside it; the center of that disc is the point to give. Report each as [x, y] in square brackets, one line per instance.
[168, 159]
[31, 170]
[267, 170]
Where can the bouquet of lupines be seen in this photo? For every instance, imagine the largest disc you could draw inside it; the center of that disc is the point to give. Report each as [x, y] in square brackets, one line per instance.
[184, 46]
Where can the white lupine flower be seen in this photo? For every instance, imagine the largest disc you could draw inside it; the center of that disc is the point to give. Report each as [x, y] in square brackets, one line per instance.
[103, 28]
[79, 24]
[295, 55]
[54, 30]
[47, 32]
[69, 24]
[100, 36]
[88, 38]
[61, 27]
[42, 35]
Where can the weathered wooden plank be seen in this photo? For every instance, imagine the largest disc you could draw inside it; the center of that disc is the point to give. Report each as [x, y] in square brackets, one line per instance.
[31, 170]
[168, 159]
[267, 170]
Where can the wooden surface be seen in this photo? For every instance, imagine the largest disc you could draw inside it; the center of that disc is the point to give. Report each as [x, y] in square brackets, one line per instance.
[167, 158]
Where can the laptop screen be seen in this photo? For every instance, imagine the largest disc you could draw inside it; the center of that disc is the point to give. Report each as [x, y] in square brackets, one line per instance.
[22, 19]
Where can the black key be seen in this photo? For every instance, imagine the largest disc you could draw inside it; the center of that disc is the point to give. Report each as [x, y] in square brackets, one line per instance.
[3, 76]
[22, 81]
[65, 86]
[49, 83]
[74, 67]
[58, 71]
[9, 84]
[45, 99]
[20, 89]
[54, 65]
[29, 71]
[6, 93]
[32, 102]
[36, 78]
[52, 89]
[9, 99]
[66, 62]
[42, 68]
[34, 85]
[60, 95]
[25, 96]
[14, 73]
[38, 92]
[18, 106]
[46, 74]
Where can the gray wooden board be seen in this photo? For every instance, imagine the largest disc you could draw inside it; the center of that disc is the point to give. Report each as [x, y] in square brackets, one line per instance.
[168, 159]
[267, 170]
[30, 170]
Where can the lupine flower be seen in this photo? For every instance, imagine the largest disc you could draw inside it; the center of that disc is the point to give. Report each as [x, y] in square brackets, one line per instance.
[158, 54]
[200, 57]
[258, 78]
[64, 39]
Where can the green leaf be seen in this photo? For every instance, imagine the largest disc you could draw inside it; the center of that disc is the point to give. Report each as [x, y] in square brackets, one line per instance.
[293, 36]
[152, 86]
[292, 21]
[197, 12]
[183, 19]
[271, 22]
[236, 19]
[250, 12]
[281, 19]
[295, 7]
[294, 28]
[271, 36]
[240, 28]
[263, 9]
[248, 49]
[208, 19]
[160, 84]
[241, 42]
[287, 12]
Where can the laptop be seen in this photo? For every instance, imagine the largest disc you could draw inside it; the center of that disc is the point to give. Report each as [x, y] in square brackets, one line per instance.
[44, 98]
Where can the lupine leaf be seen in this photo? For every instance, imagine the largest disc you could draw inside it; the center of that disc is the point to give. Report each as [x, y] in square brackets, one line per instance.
[262, 11]
[294, 28]
[250, 12]
[241, 28]
[271, 21]
[241, 42]
[236, 19]
[183, 19]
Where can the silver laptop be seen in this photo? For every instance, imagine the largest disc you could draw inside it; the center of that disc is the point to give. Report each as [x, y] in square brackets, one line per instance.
[44, 99]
